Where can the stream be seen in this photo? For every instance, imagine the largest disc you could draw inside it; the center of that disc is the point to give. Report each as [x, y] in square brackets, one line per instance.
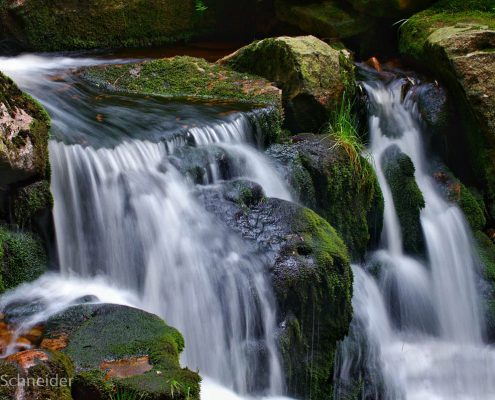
[131, 231]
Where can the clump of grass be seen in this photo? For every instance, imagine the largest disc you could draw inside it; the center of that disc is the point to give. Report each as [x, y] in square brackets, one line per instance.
[343, 129]
[200, 6]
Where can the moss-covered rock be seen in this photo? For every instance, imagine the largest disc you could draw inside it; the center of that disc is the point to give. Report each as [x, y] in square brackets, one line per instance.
[194, 78]
[23, 257]
[455, 40]
[312, 280]
[24, 129]
[408, 199]
[44, 375]
[312, 75]
[326, 180]
[65, 25]
[102, 338]
[327, 19]
[30, 201]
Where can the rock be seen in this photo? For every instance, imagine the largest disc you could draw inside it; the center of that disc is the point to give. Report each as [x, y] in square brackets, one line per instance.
[66, 25]
[326, 180]
[196, 79]
[23, 135]
[312, 75]
[31, 202]
[433, 106]
[136, 352]
[408, 199]
[42, 374]
[22, 257]
[455, 41]
[312, 280]
[327, 19]
[389, 8]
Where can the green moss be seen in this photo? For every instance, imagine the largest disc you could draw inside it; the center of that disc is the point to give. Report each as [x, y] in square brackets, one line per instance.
[408, 199]
[415, 32]
[57, 366]
[92, 385]
[116, 333]
[29, 201]
[349, 199]
[8, 371]
[322, 307]
[486, 251]
[472, 209]
[71, 24]
[22, 255]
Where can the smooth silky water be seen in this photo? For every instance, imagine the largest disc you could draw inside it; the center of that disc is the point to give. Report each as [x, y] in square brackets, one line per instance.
[436, 352]
[130, 230]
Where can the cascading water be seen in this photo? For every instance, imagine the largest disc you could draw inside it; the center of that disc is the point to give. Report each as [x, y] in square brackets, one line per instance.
[437, 352]
[124, 210]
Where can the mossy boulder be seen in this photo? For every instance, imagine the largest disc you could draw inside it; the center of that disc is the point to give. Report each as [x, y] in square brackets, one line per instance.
[327, 19]
[455, 40]
[194, 79]
[326, 180]
[122, 349]
[312, 75]
[22, 255]
[24, 129]
[408, 199]
[66, 25]
[309, 266]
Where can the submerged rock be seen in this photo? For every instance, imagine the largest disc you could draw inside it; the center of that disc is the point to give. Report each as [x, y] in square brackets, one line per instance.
[326, 180]
[311, 275]
[312, 75]
[194, 79]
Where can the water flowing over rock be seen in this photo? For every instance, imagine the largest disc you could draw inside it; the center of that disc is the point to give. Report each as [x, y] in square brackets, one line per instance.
[417, 331]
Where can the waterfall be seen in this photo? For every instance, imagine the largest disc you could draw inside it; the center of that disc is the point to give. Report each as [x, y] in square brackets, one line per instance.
[437, 351]
[126, 217]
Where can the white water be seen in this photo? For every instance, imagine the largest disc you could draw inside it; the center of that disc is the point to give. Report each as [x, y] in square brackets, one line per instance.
[437, 352]
[125, 215]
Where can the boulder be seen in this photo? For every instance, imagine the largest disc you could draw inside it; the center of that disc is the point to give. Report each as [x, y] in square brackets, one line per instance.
[119, 349]
[196, 79]
[408, 199]
[24, 129]
[327, 181]
[455, 41]
[312, 75]
[309, 267]
[327, 19]
[66, 25]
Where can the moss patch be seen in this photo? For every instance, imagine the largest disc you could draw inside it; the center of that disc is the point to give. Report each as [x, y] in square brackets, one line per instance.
[23, 257]
[30, 201]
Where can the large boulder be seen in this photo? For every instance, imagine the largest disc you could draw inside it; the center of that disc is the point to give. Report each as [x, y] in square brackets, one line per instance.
[313, 76]
[455, 41]
[327, 19]
[326, 180]
[65, 25]
[309, 267]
